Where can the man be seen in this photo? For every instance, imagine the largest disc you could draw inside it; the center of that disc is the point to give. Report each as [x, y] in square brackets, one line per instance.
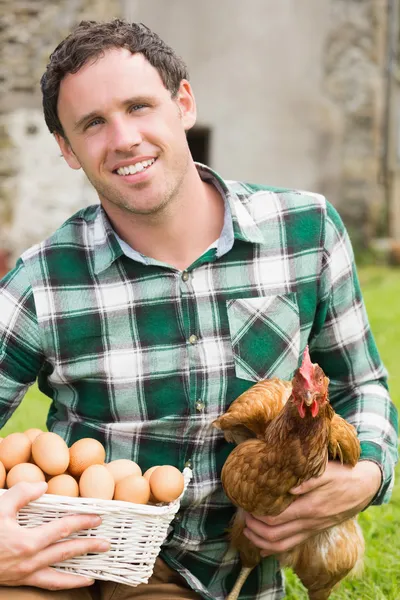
[144, 317]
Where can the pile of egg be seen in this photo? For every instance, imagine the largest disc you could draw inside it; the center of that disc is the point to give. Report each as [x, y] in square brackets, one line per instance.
[81, 470]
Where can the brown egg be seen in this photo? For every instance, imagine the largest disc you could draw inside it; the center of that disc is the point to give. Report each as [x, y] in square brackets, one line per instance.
[133, 488]
[76, 477]
[166, 483]
[83, 454]
[15, 449]
[50, 453]
[123, 467]
[147, 475]
[33, 433]
[24, 472]
[97, 482]
[2, 476]
[63, 485]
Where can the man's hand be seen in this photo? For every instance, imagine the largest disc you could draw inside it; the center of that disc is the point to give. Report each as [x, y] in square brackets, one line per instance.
[340, 493]
[27, 552]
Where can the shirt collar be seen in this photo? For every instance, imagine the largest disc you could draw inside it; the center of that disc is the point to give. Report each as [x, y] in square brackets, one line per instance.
[106, 248]
[238, 224]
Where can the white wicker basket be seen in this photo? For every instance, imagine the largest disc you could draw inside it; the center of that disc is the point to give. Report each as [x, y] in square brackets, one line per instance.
[135, 532]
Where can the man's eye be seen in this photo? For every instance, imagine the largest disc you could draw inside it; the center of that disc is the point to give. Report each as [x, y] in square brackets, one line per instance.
[93, 123]
[136, 107]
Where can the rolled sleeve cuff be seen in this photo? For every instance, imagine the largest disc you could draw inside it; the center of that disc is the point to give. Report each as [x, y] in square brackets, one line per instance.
[375, 453]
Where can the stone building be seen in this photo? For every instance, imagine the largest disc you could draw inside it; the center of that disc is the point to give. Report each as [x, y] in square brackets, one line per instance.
[297, 94]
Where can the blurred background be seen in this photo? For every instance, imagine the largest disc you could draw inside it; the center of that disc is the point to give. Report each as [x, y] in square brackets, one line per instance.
[291, 93]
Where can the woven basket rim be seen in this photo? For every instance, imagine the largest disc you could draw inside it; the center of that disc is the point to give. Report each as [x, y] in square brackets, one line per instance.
[49, 500]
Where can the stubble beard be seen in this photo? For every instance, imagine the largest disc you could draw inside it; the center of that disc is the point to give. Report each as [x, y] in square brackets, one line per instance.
[113, 196]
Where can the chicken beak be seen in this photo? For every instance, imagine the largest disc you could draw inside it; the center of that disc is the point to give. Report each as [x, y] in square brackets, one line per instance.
[309, 398]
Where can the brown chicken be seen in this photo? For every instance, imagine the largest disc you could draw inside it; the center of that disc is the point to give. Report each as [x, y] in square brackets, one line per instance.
[285, 434]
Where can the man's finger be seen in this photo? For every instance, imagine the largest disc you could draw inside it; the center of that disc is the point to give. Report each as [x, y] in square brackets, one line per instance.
[19, 496]
[300, 509]
[310, 484]
[61, 528]
[287, 544]
[51, 579]
[274, 533]
[278, 547]
[333, 470]
[62, 551]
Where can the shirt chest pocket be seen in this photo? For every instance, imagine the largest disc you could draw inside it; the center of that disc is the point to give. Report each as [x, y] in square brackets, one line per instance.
[265, 336]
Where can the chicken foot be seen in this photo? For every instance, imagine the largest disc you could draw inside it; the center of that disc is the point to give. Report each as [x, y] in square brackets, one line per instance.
[244, 573]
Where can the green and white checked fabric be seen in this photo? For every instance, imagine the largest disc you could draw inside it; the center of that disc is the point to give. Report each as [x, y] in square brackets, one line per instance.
[144, 357]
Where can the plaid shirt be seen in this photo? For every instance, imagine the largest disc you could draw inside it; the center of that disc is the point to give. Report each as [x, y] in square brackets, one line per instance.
[144, 357]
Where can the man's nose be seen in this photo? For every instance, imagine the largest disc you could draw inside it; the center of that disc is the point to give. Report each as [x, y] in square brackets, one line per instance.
[125, 136]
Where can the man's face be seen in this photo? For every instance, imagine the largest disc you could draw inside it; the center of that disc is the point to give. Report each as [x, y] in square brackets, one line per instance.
[118, 115]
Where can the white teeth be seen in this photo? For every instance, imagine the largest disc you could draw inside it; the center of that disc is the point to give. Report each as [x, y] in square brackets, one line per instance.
[136, 168]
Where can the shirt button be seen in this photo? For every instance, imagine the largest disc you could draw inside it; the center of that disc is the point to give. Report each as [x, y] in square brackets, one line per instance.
[199, 405]
[188, 464]
[185, 276]
[193, 339]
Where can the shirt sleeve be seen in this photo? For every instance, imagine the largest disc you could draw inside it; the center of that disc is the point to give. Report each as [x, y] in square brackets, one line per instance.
[21, 356]
[342, 343]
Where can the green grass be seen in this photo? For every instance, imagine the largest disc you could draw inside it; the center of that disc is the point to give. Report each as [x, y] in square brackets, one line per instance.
[381, 578]
[32, 412]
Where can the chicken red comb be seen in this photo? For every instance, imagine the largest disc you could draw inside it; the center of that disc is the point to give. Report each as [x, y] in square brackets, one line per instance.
[307, 367]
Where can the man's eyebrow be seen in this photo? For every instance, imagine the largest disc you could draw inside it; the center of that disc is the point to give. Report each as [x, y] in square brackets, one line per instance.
[98, 113]
[85, 118]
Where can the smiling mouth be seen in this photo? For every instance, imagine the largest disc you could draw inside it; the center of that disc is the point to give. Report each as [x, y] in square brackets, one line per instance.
[136, 168]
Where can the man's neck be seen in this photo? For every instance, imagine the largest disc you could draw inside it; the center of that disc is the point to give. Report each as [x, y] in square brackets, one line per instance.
[182, 232]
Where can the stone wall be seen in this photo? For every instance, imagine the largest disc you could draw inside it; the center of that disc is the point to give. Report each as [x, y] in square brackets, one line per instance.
[37, 191]
[354, 80]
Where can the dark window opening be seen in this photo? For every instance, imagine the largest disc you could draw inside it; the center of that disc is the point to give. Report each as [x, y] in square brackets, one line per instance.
[199, 144]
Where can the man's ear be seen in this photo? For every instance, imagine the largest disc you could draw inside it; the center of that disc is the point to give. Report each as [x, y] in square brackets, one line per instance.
[186, 104]
[67, 152]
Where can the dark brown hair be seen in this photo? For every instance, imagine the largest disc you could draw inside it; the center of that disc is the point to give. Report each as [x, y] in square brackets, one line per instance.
[88, 41]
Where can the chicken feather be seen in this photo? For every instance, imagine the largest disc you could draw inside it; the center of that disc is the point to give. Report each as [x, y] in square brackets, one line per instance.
[343, 444]
[276, 451]
[249, 415]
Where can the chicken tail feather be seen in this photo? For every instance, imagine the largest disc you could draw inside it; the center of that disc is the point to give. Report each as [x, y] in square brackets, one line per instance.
[322, 561]
[244, 573]
[358, 569]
